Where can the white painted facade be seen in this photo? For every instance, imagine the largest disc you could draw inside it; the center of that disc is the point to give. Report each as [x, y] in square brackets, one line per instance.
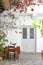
[16, 37]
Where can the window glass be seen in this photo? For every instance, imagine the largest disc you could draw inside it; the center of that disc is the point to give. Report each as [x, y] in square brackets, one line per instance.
[24, 33]
[31, 33]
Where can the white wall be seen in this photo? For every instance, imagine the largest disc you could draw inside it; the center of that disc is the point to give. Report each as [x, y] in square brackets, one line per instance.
[39, 41]
[14, 37]
[17, 37]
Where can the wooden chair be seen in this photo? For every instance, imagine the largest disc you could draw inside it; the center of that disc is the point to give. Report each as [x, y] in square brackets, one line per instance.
[6, 49]
[9, 52]
[17, 52]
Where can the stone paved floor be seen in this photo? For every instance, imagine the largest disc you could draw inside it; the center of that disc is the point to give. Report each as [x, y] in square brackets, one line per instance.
[25, 59]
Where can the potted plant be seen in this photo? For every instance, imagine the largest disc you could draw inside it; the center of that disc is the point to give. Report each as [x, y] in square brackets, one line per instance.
[2, 41]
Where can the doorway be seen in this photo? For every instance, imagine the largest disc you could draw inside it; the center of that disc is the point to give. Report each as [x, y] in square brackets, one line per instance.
[28, 39]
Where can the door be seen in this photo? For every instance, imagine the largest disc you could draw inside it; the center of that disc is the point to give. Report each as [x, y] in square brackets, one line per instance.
[28, 39]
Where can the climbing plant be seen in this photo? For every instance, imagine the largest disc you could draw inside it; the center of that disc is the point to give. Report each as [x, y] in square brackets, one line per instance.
[38, 23]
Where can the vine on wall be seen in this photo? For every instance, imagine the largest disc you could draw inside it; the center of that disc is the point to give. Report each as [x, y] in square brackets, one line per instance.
[38, 23]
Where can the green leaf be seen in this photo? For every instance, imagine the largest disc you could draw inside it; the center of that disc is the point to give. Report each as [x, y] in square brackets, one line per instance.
[6, 40]
[1, 47]
[41, 29]
[36, 23]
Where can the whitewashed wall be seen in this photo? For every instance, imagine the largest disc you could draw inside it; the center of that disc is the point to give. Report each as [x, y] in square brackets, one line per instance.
[39, 39]
[17, 37]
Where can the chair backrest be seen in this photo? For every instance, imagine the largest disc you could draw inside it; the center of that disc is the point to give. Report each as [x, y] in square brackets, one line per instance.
[17, 49]
[7, 49]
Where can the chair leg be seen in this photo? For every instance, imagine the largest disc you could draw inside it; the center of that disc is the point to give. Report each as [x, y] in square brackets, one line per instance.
[14, 55]
[17, 56]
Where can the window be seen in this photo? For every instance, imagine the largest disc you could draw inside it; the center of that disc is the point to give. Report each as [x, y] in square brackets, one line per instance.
[24, 33]
[31, 33]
